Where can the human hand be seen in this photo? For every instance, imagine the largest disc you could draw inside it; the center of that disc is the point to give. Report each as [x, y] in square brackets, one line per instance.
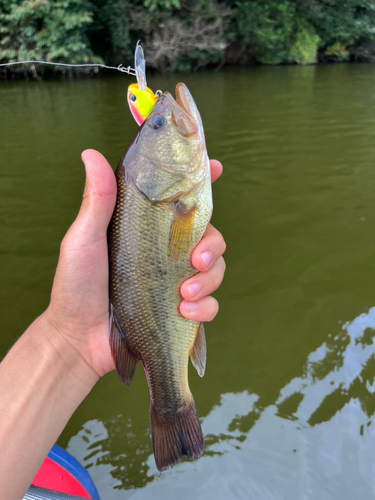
[79, 306]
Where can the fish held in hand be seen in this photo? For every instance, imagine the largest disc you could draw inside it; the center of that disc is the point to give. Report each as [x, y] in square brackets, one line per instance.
[164, 204]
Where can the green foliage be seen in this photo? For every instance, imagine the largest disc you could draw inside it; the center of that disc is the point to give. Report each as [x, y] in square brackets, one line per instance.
[280, 31]
[267, 28]
[345, 27]
[45, 30]
[338, 51]
[341, 21]
[111, 26]
[305, 47]
[162, 4]
[187, 34]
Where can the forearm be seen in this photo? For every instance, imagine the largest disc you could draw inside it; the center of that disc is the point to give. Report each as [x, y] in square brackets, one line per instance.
[42, 381]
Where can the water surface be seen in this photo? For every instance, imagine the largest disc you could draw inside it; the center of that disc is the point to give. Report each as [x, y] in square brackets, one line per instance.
[287, 402]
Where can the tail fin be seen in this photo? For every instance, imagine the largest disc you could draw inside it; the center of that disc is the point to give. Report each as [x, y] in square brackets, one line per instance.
[174, 438]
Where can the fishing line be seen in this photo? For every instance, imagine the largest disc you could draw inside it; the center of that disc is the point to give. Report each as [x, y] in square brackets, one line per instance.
[139, 72]
[129, 70]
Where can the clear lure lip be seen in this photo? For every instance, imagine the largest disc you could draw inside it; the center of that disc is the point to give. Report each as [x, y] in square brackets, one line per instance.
[140, 67]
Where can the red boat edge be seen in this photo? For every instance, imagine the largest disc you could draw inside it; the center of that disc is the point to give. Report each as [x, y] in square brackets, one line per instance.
[61, 472]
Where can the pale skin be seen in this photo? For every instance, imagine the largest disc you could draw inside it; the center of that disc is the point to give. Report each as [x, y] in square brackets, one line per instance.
[60, 357]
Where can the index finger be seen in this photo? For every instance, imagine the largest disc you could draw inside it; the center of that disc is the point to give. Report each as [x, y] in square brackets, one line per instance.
[216, 169]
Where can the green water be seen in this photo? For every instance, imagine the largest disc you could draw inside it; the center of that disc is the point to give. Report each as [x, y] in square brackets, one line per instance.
[287, 402]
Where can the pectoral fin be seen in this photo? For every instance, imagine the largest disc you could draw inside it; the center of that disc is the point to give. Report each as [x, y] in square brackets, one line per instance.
[181, 231]
[199, 351]
[124, 360]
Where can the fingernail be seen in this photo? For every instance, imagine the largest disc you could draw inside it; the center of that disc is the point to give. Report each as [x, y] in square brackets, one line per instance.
[190, 307]
[206, 257]
[194, 289]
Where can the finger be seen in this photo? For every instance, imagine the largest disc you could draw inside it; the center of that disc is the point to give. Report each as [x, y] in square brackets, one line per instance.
[205, 283]
[209, 249]
[201, 310]
[99, 197]
[216, 169]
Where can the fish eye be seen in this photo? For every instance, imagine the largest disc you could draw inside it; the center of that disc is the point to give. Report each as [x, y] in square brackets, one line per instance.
[155, 121]
[133, 98]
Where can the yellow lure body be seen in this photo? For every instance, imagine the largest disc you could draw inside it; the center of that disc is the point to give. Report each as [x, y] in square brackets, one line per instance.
[141, 102]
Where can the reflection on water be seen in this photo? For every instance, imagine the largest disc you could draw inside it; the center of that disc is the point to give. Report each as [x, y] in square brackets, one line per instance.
[316, 441]
[96, 446]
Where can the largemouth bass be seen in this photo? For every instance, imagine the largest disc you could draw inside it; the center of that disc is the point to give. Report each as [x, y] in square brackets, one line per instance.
[164, 204]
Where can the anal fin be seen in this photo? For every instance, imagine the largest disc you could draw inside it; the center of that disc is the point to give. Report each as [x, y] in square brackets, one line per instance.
[198, 352]
[124, 360]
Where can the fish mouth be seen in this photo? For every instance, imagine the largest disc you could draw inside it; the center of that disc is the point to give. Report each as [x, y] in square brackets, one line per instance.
[186, 102]
[185, 99]
[185, 114]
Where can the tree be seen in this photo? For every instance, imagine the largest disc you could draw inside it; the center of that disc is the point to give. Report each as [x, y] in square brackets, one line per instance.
[267, 27]
[344, 27]
[184, 38]
[45, 30]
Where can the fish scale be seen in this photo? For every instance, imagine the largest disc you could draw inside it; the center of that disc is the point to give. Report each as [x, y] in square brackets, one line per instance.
[163, 207]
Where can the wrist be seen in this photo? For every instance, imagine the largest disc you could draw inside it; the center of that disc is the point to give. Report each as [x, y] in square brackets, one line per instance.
[62, 350]
[42, 382]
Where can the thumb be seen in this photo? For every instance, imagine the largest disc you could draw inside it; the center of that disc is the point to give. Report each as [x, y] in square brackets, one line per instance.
[99, 197]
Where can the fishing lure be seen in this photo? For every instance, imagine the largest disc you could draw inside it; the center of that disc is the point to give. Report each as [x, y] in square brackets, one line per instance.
[141, 99]
[141, 102]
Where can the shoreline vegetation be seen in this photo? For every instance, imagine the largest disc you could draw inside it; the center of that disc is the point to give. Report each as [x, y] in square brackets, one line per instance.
[182, 35]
